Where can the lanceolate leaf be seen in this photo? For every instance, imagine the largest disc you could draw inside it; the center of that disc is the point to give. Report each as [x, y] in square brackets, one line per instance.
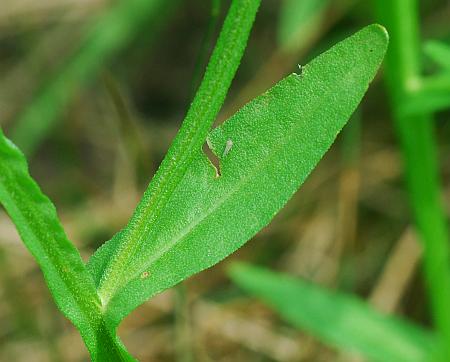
[71, 285]
[266, 151]
[338, 319]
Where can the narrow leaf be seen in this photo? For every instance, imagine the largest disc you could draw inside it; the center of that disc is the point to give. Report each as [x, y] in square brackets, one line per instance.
[107, 36]
[425, 101]
[338, 319]
[430, 94]
[439, 52]
[266, 151]
[71, 285]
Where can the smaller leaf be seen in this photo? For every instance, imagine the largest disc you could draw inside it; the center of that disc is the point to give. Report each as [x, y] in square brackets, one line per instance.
[340, 320]
[431, 94]
[439, 52]
[425, 101]
[71, 285]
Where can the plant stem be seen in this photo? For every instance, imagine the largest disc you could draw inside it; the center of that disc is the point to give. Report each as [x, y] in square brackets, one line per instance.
[220, 72]
[183, 328]
[183, 342]
[205, 46]
[416, 134]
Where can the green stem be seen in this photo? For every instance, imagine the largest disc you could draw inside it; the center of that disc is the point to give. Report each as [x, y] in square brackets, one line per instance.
[416, 134]
[220, 72]
[205, 46]
[183, 342]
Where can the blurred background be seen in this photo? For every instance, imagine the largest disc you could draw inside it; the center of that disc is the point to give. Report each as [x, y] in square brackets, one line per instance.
[94, 91]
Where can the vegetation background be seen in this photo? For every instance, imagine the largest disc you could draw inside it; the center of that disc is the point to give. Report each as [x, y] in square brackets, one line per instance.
[114, 85]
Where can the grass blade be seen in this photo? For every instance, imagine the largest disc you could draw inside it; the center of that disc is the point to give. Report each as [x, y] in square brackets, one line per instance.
[109, 34]
[425, 101]
[439, 52]
[70, 283]
[266, 151]
[340, 320]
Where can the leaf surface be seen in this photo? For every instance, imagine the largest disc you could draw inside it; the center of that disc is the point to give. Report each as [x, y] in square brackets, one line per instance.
[266, 151]
[338, 319]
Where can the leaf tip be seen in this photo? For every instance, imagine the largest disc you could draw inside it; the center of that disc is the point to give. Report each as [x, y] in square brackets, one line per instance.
[381, 34]
[382, 30]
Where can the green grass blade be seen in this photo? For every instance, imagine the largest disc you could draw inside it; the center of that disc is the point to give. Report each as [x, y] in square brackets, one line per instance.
[70, 283]
[298, 21]
[431, 94]
[266, 151]
[188, 142]
[426, 101]
[108, 35]
[337, 319]
[439, 52]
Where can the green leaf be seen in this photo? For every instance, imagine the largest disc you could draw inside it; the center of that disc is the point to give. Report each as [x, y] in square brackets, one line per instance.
[425, 101]
[110, 33]
[115, 273]
[338, 319]
[71, 285]
[431, 94]
[266, 151]
[439, 52]
[299, 20]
